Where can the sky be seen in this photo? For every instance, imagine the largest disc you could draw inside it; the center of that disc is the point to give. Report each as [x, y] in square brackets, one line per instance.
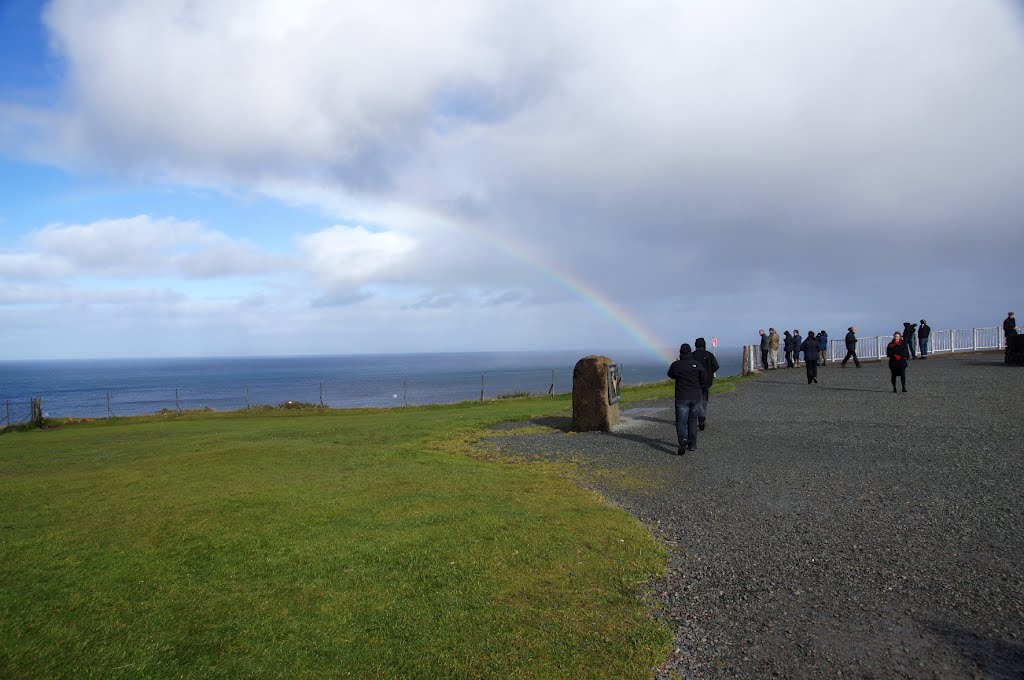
[251, 177]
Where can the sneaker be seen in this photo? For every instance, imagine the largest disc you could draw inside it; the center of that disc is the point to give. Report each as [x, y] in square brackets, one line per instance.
[691, 448]
[904, 389]
[682, 448]
[815, 380]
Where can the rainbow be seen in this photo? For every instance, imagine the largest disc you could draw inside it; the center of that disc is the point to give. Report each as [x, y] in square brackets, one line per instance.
[578, 286]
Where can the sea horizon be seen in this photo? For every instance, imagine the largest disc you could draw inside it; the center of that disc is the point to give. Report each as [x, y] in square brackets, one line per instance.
[107, 387]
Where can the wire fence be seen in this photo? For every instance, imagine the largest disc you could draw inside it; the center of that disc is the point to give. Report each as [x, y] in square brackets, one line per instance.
[870, 348]
[130, 396]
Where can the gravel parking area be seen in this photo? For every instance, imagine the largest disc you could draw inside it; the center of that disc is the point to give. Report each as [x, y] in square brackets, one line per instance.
[831, 530]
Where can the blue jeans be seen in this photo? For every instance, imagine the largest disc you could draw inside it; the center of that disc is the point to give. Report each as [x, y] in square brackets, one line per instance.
[686, 422]
[924, 346]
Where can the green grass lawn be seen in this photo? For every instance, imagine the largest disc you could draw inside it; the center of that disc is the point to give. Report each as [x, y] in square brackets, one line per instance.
[301, 543]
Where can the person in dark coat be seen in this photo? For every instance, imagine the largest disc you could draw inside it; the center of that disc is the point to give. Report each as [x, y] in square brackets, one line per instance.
[787, 346]
[897, 351]
[923, 333]
[710, 364]
[823, 347]
[797, 341]
[765, 346]
[1009, 326]
[811, 350]
[690, 382]
[851, 348]
[908, 338]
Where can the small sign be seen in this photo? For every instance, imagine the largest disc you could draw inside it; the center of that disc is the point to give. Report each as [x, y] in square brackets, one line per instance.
[714, 342]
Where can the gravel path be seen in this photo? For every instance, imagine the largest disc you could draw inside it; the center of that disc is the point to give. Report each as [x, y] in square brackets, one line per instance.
[831, 530]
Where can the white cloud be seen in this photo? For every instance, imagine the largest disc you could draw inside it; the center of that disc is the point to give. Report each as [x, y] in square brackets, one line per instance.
[137, 247]
[343, 260]
[651, 149]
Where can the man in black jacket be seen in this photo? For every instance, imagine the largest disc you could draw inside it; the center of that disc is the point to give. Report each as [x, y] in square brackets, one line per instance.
[909, 333]
[690, 382]
[851, 347]
[710, 364]
[923, 332]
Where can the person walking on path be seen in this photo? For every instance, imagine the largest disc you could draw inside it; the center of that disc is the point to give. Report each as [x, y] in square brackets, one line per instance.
[787, 347]
[823, 347]
[710, 364]
[811, 349]
[851, 348]
[897, 351]
[908, 338]
[773, 348]
[923, 332]
[797, 340]
[765, 344]
[690, 382]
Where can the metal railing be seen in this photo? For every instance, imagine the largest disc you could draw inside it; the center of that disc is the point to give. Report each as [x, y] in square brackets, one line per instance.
[869, 348]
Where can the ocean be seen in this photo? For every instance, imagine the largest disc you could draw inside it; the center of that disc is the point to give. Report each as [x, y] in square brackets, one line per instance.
[120, 387]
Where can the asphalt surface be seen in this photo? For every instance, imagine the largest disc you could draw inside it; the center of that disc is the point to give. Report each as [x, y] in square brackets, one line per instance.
[830, 530]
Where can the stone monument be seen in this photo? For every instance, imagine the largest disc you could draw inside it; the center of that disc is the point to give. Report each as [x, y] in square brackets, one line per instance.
[595, 390]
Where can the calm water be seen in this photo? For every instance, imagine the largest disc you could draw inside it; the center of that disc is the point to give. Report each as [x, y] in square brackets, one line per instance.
[99, 388]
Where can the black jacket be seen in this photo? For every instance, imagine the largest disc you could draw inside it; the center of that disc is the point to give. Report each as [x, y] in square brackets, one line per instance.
[897, 353]
[708, 361]
[924, 331]
[908, 330]
[1009, 326]
[797, 339]
[851, 341]
[787, 342]
[689, 376]
[811, 349]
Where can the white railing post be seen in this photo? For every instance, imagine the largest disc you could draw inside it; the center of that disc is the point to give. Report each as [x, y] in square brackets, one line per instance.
[975, 346]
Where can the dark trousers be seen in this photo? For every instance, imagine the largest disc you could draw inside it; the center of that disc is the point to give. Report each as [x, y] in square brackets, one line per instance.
[705, 396]
[851, 353]
[900, 371]
[911, 345]
[789, 358]
[812, 370]
[686, 422]
[764, 359]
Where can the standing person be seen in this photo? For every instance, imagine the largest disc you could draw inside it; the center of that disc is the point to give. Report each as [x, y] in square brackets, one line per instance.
[690, 381]
[1009, 330]
[773, 348]
[851, 348]
[797, 340]
[908, 338]
[787, 347]
[811, 349]
[823, 347]
[923, 331]
[710, 364]
[897, 351]
[765, 344]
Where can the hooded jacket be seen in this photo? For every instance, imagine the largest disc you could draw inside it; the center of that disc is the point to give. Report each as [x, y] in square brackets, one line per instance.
[689, 376]
[851, 341]
[707, 360]
[811, 348]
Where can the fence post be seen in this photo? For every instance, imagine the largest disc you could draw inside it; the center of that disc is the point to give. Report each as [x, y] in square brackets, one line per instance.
[110, 411]
[551, 390]
[481, 388]
[37, 411]
[975, 333]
